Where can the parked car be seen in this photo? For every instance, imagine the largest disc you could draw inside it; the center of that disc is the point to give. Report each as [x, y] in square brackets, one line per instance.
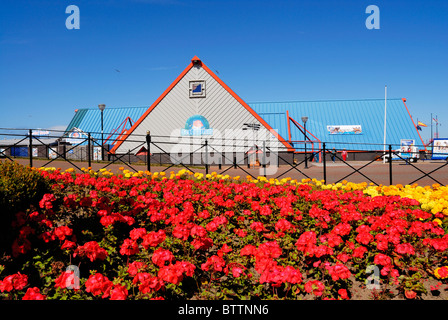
[410, 154]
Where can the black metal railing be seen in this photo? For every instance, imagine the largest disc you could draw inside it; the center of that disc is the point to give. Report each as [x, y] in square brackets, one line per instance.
[54, 147]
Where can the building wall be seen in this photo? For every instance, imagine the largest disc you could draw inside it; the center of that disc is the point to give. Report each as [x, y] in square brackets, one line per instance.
[219, 107]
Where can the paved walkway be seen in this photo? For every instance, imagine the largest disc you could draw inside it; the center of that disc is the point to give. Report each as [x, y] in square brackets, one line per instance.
[376, 172]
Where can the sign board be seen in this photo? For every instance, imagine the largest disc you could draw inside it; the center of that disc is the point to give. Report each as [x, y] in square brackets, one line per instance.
[41, 133]
[344, 129]
[97, 153]
[52, 153]
[76, 137]
[406, 147]
[440, 149]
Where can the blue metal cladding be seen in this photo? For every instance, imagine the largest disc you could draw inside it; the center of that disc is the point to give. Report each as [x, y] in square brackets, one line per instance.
[19, 151]
[89, 120]
[369, 114]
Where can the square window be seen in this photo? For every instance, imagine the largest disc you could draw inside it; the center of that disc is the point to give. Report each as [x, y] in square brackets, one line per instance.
[197, 89]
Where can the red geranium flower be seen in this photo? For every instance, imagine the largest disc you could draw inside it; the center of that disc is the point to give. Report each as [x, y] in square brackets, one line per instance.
[153, 238]
[258, 226]
[202, 243]
[339, 271]
[343, 294]
[315, 286]
[68, 245]
[364, 238]
[33, 294]
[66, 280]
[62, 232]
[137, 233]
[147, 282]
[129, 247]
[15, 281]
[161, 257]
[216, 262]
[118, 292]
[98, 284]
[91, 250]
[135, 267]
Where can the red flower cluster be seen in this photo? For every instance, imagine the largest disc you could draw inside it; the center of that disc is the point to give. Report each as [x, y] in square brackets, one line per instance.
[289, 239]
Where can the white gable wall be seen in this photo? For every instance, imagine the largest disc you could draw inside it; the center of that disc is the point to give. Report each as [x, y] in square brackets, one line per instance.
[219, 107]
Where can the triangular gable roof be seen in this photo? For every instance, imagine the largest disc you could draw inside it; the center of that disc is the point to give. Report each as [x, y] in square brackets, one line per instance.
[195, 60]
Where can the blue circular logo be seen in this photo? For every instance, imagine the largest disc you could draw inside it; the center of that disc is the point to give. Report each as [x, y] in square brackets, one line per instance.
[196, 125]
[197, 122]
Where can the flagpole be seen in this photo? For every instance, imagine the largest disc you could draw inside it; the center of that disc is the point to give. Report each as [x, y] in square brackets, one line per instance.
[437, 127]
[431, 129]
[385, 117]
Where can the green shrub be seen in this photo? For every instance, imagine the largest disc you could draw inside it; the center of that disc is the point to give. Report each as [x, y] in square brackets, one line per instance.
[20, 186]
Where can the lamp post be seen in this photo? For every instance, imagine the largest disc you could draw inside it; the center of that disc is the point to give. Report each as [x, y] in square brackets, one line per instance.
[255, 127]
[305, 119]
[102, 107]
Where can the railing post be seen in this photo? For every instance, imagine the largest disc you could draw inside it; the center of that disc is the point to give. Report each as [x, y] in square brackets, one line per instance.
[390, 164]
[206, 156]
[264, 158]
[31, 147]
[148, 148]
[89, 149]
[234, 162]
[324, 161]
[221, 155]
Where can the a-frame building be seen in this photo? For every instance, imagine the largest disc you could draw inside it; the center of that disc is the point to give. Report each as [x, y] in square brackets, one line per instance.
[199, 105]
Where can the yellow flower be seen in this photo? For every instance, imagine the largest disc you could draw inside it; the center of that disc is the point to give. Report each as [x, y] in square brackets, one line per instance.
[441, 272]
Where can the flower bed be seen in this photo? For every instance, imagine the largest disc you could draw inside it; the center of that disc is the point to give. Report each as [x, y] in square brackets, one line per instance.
[185, 236]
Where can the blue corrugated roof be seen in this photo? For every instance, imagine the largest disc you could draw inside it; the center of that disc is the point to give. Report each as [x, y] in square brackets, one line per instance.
[367, 113]
[89, 120]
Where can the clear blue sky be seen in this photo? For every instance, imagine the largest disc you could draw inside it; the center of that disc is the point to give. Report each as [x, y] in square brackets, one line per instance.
[264, 50]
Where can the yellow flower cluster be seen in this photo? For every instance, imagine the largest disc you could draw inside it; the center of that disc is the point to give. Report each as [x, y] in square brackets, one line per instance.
[433, 198]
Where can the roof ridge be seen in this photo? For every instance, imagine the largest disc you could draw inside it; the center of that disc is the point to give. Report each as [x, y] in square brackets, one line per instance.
[325, 100]
[123, 107]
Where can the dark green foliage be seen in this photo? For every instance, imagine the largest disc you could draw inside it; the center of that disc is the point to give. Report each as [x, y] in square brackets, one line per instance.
[20, 187]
